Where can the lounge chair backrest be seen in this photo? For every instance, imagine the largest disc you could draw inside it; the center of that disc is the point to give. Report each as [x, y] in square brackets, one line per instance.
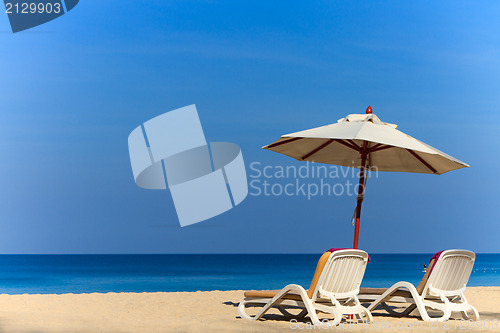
[342, 274]
[451, 273]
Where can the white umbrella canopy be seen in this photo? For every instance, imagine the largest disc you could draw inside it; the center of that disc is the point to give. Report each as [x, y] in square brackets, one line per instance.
[388, 149]
[363, 141]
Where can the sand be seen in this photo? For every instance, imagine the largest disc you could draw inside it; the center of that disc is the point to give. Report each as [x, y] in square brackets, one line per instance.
[214, 311]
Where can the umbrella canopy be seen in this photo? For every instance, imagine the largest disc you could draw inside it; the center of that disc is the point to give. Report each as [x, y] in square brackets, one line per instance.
[363, 141]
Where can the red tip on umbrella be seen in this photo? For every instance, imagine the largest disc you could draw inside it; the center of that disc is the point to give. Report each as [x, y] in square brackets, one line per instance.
[369, 110]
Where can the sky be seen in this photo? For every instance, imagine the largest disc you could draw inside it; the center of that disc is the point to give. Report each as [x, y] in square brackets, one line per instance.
[74, 88]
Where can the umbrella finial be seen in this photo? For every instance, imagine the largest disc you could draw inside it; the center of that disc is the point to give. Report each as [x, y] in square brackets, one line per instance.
[369, 110]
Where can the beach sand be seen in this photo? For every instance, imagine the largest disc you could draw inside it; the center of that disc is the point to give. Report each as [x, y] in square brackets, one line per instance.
[214, 311]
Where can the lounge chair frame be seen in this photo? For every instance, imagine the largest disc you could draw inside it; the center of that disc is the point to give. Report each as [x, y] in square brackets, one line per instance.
[334, 293]
[443, 291]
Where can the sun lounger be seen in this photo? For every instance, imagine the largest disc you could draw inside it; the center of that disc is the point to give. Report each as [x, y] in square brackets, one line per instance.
[333, 290]
[442, 288]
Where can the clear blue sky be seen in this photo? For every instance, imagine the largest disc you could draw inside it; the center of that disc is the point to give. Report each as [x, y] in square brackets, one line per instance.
[73, 89]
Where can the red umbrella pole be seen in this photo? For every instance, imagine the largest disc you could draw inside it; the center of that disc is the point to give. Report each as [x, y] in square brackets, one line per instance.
[361, 191]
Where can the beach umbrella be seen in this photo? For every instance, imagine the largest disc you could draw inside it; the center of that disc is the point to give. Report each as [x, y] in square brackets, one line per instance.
[363, 141]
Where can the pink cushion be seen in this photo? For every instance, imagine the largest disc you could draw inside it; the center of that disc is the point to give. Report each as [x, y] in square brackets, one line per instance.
[435, 257]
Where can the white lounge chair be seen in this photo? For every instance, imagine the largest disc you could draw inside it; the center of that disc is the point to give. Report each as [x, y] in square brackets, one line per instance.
[333, 290]
[442, 288]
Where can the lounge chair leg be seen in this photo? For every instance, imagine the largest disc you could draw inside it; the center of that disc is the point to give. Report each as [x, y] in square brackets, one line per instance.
[369, 317]
[446, 316]
[474, 311]
[421, 309]
[312, 313]
[337, 318]
[475, 314]
[276, 299]
[241, 310]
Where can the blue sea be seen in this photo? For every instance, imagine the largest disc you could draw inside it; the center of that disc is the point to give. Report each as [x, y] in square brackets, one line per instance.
[44, 274]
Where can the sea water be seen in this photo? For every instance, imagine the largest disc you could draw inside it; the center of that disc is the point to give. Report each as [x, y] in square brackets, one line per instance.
[43, 274]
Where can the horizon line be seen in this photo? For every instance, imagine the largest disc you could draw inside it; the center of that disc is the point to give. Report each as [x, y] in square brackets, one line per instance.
[220, 253]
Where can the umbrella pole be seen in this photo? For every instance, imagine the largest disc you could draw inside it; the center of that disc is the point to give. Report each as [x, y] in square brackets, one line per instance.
[361, 191]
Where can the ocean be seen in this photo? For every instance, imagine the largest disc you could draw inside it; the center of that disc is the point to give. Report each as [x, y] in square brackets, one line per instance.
[47, 274]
